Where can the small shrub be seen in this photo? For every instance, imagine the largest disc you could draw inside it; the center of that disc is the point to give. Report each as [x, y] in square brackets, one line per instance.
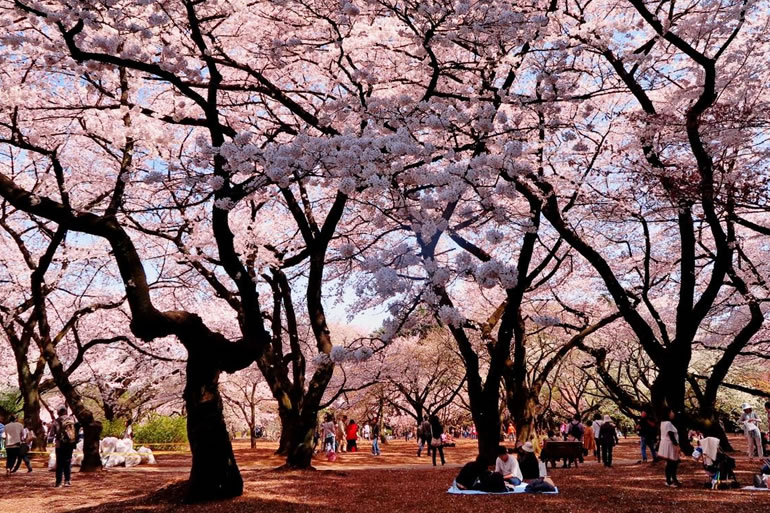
[162, 433]
[114, 428]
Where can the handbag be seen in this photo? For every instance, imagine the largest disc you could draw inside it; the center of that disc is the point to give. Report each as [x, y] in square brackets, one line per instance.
[435, 442]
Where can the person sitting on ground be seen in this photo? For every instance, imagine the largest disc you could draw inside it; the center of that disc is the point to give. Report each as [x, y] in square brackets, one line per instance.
[528, 463]
[507, 465]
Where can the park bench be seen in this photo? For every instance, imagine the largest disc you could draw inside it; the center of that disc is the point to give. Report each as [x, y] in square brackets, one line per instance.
[556, 450]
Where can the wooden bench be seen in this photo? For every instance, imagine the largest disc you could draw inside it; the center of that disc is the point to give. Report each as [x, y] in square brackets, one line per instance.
[556, 450]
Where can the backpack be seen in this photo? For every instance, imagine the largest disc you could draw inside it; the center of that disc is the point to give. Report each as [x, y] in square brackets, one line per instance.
[576, 431]
[67, 432]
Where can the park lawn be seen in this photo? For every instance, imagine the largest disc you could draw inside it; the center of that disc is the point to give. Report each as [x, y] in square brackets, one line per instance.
[395, 482]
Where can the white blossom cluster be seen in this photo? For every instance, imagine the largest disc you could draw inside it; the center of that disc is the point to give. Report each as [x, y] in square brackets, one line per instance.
[545, 320]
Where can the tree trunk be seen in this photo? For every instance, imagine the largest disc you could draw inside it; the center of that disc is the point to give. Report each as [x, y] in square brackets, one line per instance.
[287, 418]
[523, 413]
[300, 454]
[92, 460]
[32, 420]
[487, 419]
[214, 473]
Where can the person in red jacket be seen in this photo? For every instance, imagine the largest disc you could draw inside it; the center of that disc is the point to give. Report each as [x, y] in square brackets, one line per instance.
[352, 436]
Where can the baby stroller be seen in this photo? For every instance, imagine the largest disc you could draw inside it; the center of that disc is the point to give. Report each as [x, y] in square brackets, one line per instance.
[719, 466]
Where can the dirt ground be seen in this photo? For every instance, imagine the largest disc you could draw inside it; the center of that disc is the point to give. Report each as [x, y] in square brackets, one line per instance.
[395, 482]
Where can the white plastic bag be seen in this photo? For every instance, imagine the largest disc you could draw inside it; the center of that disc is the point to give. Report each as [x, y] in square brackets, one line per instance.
[79, 446]
[107, 445]
[132, 459]
[147, 456]
[115, 460]
[52, 461]
[124, 446]
[77, 458]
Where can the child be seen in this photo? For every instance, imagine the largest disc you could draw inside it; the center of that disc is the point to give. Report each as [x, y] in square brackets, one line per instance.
[508, 466]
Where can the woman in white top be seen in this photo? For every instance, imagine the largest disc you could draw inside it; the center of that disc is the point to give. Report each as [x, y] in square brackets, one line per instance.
[750, 423]
[669, 449]
[327, 433]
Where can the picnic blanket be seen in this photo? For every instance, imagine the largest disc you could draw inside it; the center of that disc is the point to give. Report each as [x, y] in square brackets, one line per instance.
[755, 489]
[519, 489]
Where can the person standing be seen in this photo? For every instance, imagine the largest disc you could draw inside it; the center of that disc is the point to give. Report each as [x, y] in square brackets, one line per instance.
[648, 434]
[2, 436]
[327, 433]
[669, 449]
[66, 436]
[750, 423]
[13, 431]
[436, 445]
[351, 436]
[423, 433]
[608, 437]
[376, 439]
[598, 444]
[26, 443]
[341, 429]
[589, 441]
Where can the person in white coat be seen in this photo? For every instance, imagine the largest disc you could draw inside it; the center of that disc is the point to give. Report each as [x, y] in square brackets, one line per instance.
[669, 449]
[750, 423]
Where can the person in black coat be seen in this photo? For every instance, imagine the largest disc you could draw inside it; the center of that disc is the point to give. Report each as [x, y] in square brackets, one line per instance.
[608, 436]
[436, 445]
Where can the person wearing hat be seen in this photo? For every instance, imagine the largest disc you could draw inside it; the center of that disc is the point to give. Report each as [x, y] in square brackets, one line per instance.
[750, 423]
[528, 464]
[608, 438]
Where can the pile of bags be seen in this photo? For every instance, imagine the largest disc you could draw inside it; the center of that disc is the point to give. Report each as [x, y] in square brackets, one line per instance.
[114, 453]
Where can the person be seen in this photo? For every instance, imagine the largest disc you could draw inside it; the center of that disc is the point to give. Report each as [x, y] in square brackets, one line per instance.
[436, 430]
[511, 432]
[367, 431]
[589, 441]
[669, 449]
[575, 429]
[376, 439]
[608, 437]
[648, 434]
[65, 435]
[13, 432]
[2, 436]
[341, 433]
[751, 431]
[423, 433]
[528, 463]
[26, 443]
[327, 433]
[508, 466]
[597, 428]
[351, 436]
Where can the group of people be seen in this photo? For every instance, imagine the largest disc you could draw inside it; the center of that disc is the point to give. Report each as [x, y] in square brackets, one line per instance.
[18, 440]
[341, 435]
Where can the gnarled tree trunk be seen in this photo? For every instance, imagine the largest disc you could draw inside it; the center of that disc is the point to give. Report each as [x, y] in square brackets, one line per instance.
[214, 473]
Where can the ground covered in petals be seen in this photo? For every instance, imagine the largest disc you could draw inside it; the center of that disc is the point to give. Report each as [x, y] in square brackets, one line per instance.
[396, 482]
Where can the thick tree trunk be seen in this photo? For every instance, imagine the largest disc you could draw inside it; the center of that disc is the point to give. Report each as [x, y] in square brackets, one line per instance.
[487, 419]
[214, 473]
[92, 460]
[32, 421]
[301, 442]
[286, 417]
[523, 413]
